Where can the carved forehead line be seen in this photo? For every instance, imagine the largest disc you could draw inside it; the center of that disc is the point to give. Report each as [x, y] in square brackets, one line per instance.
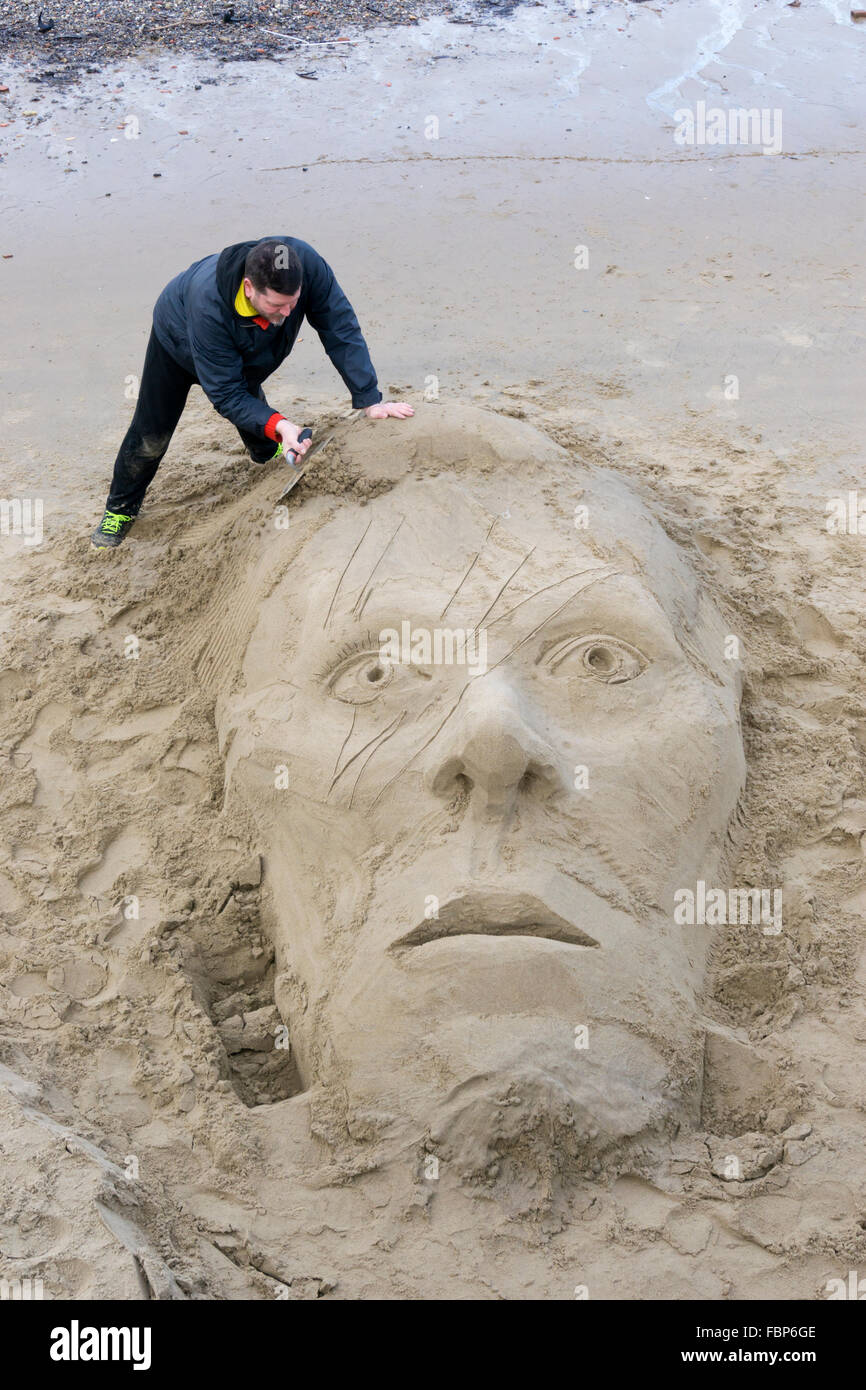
[366, 589]
[490, 607]
[599, 579]
[343, 575]
[578, 574]
[472, 565]
[365, 586]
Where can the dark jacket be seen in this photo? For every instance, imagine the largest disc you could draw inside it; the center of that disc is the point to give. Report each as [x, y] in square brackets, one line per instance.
[196, 321]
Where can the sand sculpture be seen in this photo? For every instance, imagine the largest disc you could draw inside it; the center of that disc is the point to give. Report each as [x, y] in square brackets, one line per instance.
[358, 969]
[481, 753]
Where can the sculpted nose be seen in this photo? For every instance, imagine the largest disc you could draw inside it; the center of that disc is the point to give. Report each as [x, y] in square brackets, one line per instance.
[490, 746]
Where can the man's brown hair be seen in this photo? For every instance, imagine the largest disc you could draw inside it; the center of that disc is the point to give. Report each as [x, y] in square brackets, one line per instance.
[273, 265]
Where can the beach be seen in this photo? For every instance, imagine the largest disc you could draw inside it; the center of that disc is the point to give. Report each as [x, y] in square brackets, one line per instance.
[566, 254]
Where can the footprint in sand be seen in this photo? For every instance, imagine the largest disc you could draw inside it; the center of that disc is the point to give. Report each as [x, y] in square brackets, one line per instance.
[56, 780]
[126, 851]
[111, 1093]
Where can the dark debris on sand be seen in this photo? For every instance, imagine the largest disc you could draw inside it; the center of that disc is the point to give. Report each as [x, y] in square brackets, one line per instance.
[62, 40]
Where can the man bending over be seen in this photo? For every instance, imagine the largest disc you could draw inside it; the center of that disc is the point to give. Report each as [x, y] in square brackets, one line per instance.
[226, 324]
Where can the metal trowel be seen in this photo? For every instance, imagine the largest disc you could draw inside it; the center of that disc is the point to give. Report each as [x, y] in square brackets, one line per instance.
[299, 469]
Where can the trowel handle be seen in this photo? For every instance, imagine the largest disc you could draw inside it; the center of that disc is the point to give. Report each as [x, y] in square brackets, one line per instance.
[292, 454]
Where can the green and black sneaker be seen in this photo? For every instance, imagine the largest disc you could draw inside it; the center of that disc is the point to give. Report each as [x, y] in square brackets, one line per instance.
[111, 530]
[278, 453]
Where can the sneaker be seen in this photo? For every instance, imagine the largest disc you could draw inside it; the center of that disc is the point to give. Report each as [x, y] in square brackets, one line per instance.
[111, 530]
[270, 458]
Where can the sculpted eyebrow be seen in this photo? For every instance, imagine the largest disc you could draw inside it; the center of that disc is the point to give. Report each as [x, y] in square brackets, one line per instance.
[579, 574]
[598, 580]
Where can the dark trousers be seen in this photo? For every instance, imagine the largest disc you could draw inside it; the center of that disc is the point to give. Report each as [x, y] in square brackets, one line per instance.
[161, 398]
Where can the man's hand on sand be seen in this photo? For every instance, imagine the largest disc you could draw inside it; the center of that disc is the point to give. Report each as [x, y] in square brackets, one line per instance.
[288, 434]
[399, 409]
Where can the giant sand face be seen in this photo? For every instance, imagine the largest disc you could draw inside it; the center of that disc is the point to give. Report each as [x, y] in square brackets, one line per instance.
[476, 715]
[482, 745]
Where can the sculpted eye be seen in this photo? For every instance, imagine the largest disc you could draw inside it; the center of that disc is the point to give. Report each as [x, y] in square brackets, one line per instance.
[598, 657]
[360, 678]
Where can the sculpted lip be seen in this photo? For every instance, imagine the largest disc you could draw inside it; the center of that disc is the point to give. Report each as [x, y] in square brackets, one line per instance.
[495, 914]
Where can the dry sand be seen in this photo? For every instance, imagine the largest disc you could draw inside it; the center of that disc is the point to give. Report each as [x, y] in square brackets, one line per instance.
[155, 1142]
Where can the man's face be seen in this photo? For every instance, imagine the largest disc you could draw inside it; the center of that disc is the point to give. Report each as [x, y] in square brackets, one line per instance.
[470, 862]
[271, 305]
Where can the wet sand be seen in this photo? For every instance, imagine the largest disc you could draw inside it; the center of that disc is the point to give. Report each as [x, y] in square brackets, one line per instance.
[459, 252]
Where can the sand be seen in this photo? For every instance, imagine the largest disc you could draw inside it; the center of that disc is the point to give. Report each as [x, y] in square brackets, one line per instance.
[141, 955]
[157, 1142]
